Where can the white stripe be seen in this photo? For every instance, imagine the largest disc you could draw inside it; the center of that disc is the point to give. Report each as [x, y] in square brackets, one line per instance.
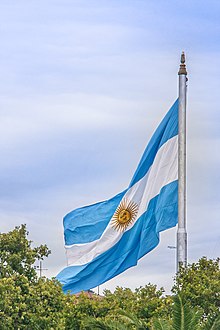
[163, 171]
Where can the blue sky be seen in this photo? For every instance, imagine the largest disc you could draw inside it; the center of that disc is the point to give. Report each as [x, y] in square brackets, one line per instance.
[85, 83]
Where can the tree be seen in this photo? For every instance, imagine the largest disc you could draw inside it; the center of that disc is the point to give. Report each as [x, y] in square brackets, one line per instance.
[102, 324]
[26, 302]
[30, 306]
[184, 317]
[78, 308]
[120, 321]
[16, 254]
[31, 303]
[123, 306]
[131, 320]
[144, 302]
[199, 285]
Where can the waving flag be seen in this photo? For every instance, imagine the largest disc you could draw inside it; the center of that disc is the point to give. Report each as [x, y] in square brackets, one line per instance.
[105, 239]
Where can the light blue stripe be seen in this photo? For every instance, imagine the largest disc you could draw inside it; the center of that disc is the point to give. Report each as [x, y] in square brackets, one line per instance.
[161, 214]
[87, 224]
[167, 129]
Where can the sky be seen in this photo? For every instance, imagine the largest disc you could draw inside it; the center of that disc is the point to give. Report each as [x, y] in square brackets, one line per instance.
[83, 85]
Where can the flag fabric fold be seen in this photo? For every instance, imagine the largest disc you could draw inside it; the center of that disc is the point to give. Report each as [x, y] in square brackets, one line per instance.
[104, 239]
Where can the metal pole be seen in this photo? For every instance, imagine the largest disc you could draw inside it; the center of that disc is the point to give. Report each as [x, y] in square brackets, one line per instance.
[181, 232]
[40, 268]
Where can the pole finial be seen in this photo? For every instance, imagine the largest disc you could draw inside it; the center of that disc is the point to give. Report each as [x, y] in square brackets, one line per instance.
[182, 69]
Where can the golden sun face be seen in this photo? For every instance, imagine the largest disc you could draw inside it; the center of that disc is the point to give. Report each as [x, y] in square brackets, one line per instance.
[124, 215]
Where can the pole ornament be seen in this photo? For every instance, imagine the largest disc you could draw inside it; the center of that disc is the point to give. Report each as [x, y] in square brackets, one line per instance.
[182, 69]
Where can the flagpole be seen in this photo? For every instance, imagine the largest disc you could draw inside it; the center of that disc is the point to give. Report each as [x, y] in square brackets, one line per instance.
[181, 232]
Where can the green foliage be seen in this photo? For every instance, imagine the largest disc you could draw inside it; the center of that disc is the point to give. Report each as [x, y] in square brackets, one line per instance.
[144, 302]
[31, 303]
[158, 324]
[16, 254]
[27, 305]
[184, 317]
[122, 321]
[101, 324]
[78, 309]
[26, 302]
[199, 285]
[212, 323]
[132, 321]
[121, 305]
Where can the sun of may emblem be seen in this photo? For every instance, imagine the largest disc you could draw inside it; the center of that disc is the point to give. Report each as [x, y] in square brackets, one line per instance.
[124, 215]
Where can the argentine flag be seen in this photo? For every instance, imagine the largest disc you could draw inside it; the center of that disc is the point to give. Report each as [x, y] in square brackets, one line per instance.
[105, 239]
